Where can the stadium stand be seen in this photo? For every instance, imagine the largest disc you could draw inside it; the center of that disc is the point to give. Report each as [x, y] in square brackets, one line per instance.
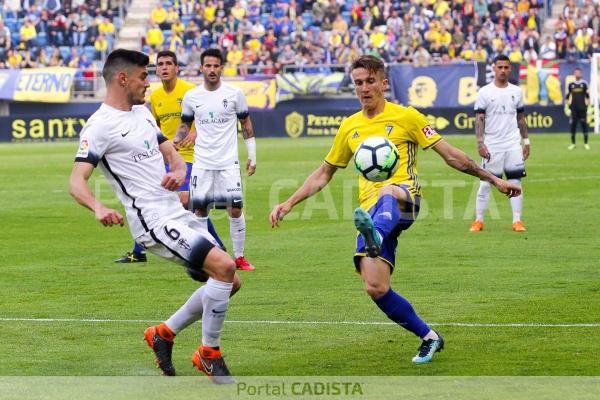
[48, 33]
[287, 35]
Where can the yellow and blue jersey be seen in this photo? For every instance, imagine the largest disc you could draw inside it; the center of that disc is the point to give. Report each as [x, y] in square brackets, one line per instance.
[166, 109]
[406, 127]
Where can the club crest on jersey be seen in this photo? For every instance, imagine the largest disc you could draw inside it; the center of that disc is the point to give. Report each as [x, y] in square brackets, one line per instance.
[180, 100]
[225, 102]
[428, 131]
[389, 128]
[184, 243]
[147, 144]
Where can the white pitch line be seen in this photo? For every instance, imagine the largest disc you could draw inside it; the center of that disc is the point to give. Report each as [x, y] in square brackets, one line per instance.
[266, 322]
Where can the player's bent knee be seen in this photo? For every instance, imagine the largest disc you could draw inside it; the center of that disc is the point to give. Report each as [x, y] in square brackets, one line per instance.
[219, 265]
[376, 290]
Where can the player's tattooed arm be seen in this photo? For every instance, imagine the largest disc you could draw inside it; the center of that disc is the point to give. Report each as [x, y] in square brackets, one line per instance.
[480, 134]
[522, 124]
[460, 161]
[247, 128]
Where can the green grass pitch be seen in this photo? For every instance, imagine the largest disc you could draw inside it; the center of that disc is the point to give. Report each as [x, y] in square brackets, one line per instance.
[508, 304]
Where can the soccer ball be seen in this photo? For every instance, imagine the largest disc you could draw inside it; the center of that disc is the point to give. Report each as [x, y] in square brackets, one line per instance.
[377, 159]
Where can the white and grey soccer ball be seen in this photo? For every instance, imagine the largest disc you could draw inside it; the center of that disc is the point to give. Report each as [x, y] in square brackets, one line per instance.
[377, 159]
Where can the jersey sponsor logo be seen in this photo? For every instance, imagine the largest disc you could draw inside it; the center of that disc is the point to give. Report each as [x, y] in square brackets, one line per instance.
[238, 189]
[428, 131]
[84, 148]
[150, 153]
[212, 120]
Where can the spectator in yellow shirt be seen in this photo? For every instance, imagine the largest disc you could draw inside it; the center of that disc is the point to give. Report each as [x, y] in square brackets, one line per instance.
[154, 37]
[515, 55]
[175, 42]
[467, 52]
[378, 37]
[14, 58]
[445, 38]
[238, 11]
[234, 56]
[28, 33]
[480, 54]
[178, 26]
[340, 24]
[210, 11]
[101, 46]
[159, 16]
[107, 27]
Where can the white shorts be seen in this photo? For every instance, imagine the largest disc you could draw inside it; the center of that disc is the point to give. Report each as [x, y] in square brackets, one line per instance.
[509, 163]
[216, 188]
[181, 240]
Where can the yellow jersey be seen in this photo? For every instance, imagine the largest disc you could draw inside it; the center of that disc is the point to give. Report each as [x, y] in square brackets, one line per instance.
[166, 109]
[407, 128]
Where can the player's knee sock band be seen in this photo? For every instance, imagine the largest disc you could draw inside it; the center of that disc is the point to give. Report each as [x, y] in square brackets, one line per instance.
[399, 310]
[387, 214]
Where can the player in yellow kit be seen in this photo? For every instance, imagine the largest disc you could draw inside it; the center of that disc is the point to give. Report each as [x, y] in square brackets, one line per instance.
[165, 105]
[390, 207]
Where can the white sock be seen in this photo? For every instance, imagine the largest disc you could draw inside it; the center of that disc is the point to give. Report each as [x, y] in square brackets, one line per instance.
[483, 198]
[215, 302]
[431, 335]
[237, 230]
[203, 222]
[516, 202]
[189, 313]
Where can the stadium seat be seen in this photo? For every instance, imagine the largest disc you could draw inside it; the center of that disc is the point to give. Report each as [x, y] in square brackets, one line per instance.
[65, 52]
[11, 24]
[16, 37]
[185, 19]
[42, 40]
[307, 17]
[90, 51]
[347, 16]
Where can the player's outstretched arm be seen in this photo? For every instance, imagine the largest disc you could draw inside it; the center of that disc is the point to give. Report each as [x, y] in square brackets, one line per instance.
[176, 176]
[457, 159]
[313, 184]
[80, 191]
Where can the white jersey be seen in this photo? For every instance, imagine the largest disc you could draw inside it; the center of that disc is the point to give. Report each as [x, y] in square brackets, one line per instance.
[126, 145]
[500, 106]
[215, 114]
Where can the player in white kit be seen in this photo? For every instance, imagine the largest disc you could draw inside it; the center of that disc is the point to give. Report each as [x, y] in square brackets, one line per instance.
[502, 138]
[215, 108]
[122, 138]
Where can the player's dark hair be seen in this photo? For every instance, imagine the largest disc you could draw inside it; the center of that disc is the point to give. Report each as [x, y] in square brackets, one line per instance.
[211, 53]
[167, 53]
[370, 63]
[500, 57]
[578, 68]
[120, 60]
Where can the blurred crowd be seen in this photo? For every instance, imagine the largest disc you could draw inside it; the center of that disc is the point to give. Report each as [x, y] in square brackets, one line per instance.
[270, 36]
[48, 33]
